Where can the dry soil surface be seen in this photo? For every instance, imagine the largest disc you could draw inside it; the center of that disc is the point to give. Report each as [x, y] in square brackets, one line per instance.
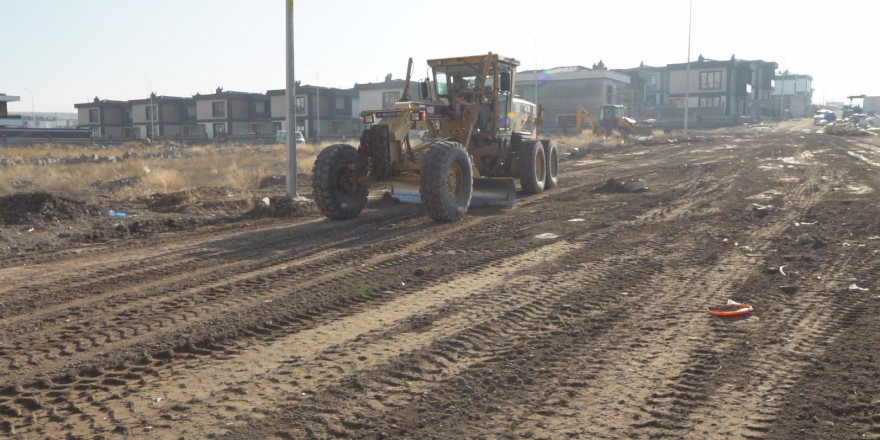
[578, 314]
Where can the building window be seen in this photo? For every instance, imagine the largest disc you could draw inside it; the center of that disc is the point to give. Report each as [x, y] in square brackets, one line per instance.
[187, 131]
[254, 128]
[219, 129]
[609, 95]
[710, 80]
[651, 82]
[152, 114]
[300, 105]
[93, 115]
[218, 109]
[389, 98]
[715, 102]
[340, 103]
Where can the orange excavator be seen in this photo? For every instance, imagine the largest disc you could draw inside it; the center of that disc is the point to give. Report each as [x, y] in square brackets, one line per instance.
[612, 118]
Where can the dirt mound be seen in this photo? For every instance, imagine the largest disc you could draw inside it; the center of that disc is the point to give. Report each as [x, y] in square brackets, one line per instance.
[281, 207]
[22, 208]
[196, 200]
[113, 185]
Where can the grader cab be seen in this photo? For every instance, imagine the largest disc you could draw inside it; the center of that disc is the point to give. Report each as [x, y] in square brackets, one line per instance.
[480, 137]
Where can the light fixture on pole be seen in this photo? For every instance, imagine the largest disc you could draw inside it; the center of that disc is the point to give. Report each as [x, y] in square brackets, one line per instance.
[33, 112]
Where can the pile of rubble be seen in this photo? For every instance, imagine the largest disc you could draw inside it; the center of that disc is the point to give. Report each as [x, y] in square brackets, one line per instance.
[845, 128]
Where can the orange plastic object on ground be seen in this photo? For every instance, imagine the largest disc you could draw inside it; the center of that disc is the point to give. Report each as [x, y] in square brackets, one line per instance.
[731, 309]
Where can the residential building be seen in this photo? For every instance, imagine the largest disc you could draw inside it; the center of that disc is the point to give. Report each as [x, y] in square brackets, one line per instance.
[7, 120]
[379, 95]
[106, 119]
[278, 109]
[561, 90]
[165, 117]
[793, 94]
[321, 112]
[718, 92]
[236, 115]
[648, 89]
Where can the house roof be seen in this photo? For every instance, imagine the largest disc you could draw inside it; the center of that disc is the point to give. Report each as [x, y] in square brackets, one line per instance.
[385, 85]
[101, 103]
[161, 99]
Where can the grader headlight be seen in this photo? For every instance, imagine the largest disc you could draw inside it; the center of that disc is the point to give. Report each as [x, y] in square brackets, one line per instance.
[417, 116]
[367, 119]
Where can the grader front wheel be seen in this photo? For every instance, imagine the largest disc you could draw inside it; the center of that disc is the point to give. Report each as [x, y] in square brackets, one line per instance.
[446, 182]
[337, 193]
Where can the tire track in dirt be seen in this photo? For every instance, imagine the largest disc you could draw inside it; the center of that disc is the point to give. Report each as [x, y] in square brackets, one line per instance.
[577, 282]
[456, 246]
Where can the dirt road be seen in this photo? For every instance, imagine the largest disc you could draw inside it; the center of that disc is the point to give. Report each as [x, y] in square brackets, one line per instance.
[579, 313]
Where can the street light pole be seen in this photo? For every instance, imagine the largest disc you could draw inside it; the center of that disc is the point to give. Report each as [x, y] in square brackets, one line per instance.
[317, 102]
[290, 97]
[33, 112]
[153, 113]
[687, 80]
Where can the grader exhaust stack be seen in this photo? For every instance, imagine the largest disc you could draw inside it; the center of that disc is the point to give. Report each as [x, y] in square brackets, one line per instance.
[479, 138]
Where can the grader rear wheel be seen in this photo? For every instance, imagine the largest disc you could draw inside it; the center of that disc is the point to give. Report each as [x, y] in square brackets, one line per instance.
[446, 182]
[532, 167]
[551, 152]
[337, 193]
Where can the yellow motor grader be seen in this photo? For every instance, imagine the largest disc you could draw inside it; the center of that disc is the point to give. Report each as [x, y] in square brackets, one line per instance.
[480, 137]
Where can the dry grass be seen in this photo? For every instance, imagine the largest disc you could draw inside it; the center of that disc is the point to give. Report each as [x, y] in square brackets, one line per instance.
[239, 166]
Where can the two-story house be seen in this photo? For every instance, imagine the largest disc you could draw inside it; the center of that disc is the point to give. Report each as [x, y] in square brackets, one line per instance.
[793, 93]
[561, 90]
[228, 114]
[106, 118]
[718, 92]
[168, 117]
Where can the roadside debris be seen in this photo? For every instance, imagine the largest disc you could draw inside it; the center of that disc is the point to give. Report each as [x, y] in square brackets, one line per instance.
[854, 287]
[761, 211]
[546, 236]
[847, 129]
[732, 309]
[116, 214]
[616, 186]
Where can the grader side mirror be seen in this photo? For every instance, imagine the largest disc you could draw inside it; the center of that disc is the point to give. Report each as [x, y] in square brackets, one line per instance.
[505, 81]
[423, 90]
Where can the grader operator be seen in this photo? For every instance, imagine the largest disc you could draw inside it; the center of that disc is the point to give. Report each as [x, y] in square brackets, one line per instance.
[480, 136]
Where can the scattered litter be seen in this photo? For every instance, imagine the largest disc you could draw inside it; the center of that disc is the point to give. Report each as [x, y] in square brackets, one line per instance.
[805, 223]
[624, 293]
[782, 271]
[745, 248]
[546, 236]
[116, 214]
[158, 399]
[31, 230]
[146, 169]
[874, 237]
[577, 220]
[854, 287]
[763, 210]
[267, 201]
[732, 309]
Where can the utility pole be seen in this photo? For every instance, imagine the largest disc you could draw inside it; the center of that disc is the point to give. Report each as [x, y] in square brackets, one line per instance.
[782, 96]
[317, 103]
[291, 106]
[33, 112]
[687, 81]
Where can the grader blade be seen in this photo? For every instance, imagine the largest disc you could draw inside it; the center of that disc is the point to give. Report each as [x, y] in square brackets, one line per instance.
[406, 192]
[493, 192]
[486, 192]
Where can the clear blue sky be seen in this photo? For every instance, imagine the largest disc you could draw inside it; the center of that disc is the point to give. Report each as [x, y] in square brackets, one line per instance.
[68, 52]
